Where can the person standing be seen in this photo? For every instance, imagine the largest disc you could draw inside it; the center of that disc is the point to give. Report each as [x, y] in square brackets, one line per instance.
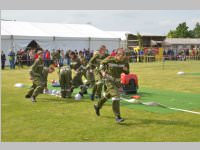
[47, 58]
[19, 59]
[53, 56]
[67, 56]
[28, 57]
[11, 58]
[111, 69]
[58, 57]
[3, 60]
[31, 54]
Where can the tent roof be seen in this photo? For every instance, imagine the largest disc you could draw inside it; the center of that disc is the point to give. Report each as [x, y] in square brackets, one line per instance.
[119, 34]
[21, 29]
[17, 28]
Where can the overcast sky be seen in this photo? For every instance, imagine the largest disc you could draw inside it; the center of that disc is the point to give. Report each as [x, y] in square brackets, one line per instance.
[145, 22]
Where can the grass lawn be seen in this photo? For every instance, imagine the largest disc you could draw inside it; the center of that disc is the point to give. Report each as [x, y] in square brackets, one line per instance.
[56, 119]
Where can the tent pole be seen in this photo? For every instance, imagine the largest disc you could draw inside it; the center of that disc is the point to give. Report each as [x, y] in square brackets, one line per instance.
[54, 39]
[120, 44]
[12, 43]
[89, 43]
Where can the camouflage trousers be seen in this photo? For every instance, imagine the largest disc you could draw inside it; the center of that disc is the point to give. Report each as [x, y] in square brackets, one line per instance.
[37, 87]
[89, 75]
[98, 86]
[112, 91]
[65, 78]
[77, 80]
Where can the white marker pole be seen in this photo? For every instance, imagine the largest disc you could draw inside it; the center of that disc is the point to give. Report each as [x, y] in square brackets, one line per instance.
[189, 111]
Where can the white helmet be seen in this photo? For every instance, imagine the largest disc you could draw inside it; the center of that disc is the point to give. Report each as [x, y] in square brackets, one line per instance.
[19, 85]
[180, 73]
[77, 97]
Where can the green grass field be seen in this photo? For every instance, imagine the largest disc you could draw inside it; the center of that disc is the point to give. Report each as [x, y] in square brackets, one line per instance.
[59, 120]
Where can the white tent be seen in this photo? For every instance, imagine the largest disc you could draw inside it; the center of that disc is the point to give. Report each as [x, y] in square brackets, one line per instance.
[122, 35]
[16, 35]
[119, 34]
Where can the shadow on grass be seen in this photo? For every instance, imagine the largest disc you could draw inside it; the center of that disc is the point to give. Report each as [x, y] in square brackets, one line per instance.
[142, 94]
[129, 122]
[165, 122]
[60, 100]
[126, 121]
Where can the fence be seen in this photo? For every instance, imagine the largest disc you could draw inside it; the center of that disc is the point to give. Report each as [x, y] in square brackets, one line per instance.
[132, 59]
[146, 59]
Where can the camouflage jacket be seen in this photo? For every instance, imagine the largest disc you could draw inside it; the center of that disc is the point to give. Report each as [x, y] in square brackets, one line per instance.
[75, 64]
[44, 75]
[37, 68]
[96, 60]
[64, 68]
[83, 61]
[114, 67]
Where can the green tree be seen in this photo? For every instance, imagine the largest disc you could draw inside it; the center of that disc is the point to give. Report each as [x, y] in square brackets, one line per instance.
[196, 30]
[182, 30]
[172, 34]
[191, 33]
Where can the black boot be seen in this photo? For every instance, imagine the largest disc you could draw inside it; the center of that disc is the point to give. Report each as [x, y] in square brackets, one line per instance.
[119, 119]
[27, 96]
[97, 110]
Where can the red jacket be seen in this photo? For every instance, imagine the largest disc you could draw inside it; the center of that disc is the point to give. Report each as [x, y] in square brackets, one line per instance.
[47, 55]
[35, 56]
[113, 54]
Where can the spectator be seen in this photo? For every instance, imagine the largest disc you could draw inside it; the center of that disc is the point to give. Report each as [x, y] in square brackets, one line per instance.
[3, 60]
[58, 57]
[76, 52]
[113, 53]
[19, 59]
[53, 55]
[47, 58]
[11, 55]
[62, 57]
[28, 57]
[31, 54]
[67, 56]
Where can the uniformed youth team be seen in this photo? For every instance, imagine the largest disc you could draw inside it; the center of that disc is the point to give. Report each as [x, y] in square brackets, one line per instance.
[102, 73]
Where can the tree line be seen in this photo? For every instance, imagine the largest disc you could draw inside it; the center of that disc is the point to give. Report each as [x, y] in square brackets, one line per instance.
[182, 31]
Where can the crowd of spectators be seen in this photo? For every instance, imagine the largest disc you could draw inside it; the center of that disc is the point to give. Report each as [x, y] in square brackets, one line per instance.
[149, 54]
[27, 57]
[181, 54]
[61, 57]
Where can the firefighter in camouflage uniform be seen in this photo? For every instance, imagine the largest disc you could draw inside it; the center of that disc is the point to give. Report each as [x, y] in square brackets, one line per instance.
[65, 78]
[87, 73]
[94, 64]
[38, 75]
[75, 63]
[111, 69]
